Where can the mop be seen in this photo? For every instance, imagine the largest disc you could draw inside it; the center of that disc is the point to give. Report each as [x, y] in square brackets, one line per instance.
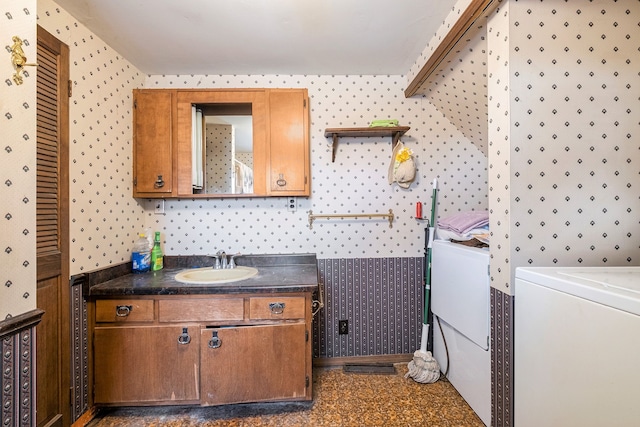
[424, 367]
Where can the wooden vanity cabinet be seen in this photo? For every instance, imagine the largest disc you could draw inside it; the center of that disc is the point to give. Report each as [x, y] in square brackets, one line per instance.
[206, 350]
[153, 154]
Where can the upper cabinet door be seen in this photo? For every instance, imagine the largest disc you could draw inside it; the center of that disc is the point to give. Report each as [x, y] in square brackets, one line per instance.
[288, 170]
[152, 143]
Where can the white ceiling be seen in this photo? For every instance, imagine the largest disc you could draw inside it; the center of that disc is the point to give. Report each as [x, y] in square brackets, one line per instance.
[264, 37]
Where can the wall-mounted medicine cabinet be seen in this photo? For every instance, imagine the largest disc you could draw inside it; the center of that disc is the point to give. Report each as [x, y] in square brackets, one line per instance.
[215, 143]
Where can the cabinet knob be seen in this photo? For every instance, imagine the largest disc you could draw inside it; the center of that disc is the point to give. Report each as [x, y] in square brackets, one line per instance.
[159, 182]
[281, 181]
[276, 307]
[123, 310]
[215, 341]
[184, 338]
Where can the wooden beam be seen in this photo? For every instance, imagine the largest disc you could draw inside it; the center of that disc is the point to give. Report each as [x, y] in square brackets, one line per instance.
[476, 9]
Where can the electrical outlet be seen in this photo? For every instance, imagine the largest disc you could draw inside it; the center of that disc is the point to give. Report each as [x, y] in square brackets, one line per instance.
[291, 204]
[343, 327]
[159, 207]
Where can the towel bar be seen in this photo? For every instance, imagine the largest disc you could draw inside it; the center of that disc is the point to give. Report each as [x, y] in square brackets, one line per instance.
[389, 215]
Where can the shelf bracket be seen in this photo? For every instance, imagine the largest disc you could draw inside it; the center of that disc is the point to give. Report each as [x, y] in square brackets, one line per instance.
[396, 138]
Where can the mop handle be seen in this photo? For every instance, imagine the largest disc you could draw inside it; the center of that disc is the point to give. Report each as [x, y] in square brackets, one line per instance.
[432, 231]
[432, 223]
[430, 234]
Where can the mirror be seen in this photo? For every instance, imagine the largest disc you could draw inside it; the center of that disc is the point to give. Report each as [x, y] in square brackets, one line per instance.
[222, 148]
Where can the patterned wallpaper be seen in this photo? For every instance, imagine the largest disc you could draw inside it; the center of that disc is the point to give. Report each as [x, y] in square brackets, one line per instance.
[569, 72]
[105, 219]
[458, 86]
[499, 148]
[219, 157]
[355, 183]
[18, 164]
[564, 176]
[457, 10]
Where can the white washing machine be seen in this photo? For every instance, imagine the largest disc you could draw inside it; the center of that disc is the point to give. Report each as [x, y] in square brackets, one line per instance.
[577, 346]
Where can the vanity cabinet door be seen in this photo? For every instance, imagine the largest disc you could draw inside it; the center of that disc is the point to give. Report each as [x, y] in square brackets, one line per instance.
[288, 166]
[146, 364]
[152, 143]
[253, 363]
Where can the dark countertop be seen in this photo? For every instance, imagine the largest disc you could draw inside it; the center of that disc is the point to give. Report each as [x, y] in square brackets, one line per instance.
[276, 273]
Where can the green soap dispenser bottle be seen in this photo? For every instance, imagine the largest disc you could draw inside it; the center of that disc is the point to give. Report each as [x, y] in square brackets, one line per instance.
[156, 254]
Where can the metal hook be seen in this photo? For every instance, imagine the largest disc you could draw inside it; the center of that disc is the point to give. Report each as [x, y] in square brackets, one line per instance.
[18, 59]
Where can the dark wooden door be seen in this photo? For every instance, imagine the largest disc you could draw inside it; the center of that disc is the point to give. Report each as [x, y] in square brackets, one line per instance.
[53, 373]
[138, 365]
[253, 363]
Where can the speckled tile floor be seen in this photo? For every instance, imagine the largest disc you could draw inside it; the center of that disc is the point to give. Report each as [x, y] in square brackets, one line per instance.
[340, 399]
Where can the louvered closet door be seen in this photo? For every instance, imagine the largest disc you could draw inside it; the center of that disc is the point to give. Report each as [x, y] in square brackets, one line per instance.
[53, 373]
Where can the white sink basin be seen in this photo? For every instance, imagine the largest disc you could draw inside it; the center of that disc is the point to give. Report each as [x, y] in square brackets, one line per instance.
[209, 275]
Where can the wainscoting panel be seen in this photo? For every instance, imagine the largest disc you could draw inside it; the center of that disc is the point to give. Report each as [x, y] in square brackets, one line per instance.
[80, 348]
[18, 384]
[501, 358]
[382, 300]
[17, 343]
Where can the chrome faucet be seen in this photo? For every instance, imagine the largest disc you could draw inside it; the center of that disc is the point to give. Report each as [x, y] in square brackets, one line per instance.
[221, 260]
[216, 265]
[224, 261]
[232, 262]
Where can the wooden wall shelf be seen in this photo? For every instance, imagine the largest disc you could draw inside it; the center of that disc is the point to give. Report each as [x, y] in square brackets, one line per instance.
[395, 132]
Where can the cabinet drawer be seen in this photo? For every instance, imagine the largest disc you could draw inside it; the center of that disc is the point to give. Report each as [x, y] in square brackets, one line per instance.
[121, 310]
[274, 307]
[201, 310]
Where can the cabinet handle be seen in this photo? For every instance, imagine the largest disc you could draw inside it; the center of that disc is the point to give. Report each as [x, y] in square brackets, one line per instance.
[184, 338]
[159, 182]
[215, 341]
[123, 310]
[281, 181]
[276, 307]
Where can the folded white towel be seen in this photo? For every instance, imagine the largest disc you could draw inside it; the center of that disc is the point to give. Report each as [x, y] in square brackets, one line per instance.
[444, 234]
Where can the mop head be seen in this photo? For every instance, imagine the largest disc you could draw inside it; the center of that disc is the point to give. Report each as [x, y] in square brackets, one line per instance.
[423, 368]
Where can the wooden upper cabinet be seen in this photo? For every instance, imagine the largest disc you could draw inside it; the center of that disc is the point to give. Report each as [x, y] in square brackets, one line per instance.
[288, 171]
[152, 143]
[276, 162]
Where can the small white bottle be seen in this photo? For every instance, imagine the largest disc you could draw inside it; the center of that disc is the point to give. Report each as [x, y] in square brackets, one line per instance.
[149, 235]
